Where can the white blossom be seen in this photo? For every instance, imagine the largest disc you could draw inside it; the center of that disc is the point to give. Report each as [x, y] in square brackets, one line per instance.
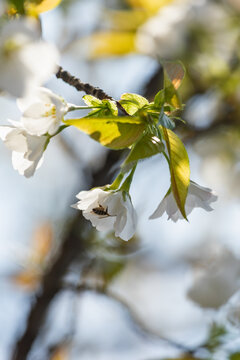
[42, 112]
[166, 34]
[216, 280]
[198, 196]
[27, 150]
[159, 36]
[26, 61]
[117, 210]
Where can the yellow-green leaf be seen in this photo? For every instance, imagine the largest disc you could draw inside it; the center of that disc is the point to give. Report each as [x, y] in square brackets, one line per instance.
[92, 100]
[133, 102]
[175, 72]
[36, 7]
[125, 20]
[171, 82]
[104, 107]
[105, 44]
[179, 168]
[151, 6]
[235, 356]
[113, 132]
[146, 147]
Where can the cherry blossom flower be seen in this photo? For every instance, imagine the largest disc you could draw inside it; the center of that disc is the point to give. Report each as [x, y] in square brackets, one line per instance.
[27, 150]
[43, 112]
[108, 210]
[216, 280]
[198, 196]
[26, 61]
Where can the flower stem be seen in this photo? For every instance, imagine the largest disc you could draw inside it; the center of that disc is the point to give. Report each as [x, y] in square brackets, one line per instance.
[61, 128]
[127, 183]
[74, 107]
[167, 158]
[116, 183]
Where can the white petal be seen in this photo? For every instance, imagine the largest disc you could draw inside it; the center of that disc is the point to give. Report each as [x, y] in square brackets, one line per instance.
[125, 226]
[27, 66]
[41, 125]
[90, 199]
[4, 131]
[24, 166]
[14, 138]
[43, 112]
[205, 194]
[168, 205]
[159, 210]
[101, 223]
[36, 146]
[14, 76]
[26, 27]
[41, 61]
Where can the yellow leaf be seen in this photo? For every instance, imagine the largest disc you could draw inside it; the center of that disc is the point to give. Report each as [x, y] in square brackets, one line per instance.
[28, 279]
[171, 94]
[179, 168]
[115, 133]
[33, 8]
[126, 20]
[176, 72]
[40, 247]
[61, 353]
[151, 6]
[104, 44]
[42, 243]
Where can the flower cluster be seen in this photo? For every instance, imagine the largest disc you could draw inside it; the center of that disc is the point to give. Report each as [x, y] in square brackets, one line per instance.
[26, 62]
[198, 196]
[43, 112]
[114, 210]
[108, 210]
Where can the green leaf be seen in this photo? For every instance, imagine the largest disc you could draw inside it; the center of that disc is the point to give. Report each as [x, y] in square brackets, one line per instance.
[159, 99]
[133, 102]
[171, 94]
[235, 356]
[18, 5]
[103, 107]
[113, 132]
[92, 100]
[215, 337]
[179, 168]
[146, 147]
[112, 107]
[165, 121]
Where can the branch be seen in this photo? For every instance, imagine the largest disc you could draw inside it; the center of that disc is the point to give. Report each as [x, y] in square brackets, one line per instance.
[75, 244]
[87, 88]
[137, 323]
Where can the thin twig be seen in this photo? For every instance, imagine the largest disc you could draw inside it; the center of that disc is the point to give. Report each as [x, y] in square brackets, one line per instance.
[137, 323]
[87, 88]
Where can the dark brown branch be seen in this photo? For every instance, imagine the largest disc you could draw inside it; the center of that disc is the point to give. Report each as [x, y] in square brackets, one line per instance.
[87, 88]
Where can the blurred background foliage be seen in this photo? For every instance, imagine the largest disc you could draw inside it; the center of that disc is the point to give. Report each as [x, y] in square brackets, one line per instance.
[69, 292]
